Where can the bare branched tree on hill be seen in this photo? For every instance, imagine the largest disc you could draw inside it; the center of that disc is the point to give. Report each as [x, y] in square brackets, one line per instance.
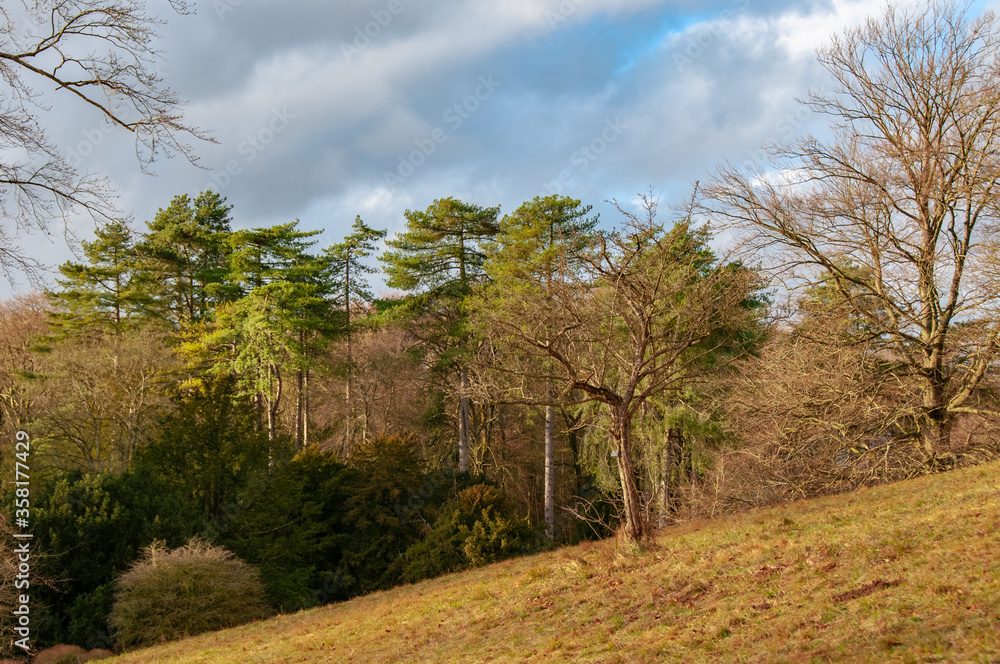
[102, 56]
[640, 312]
[897, 215]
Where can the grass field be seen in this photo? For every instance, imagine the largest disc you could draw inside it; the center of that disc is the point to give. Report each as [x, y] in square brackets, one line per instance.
[902, 573]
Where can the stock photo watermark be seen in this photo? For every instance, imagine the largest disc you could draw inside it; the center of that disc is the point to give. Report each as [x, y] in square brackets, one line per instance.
[93, 137]
[786, 129]
[701, 39]
[562, 12]
[22, 542]
[223, 7]
[251, 147]
[454, 116]
[364, 34]
[587, 154]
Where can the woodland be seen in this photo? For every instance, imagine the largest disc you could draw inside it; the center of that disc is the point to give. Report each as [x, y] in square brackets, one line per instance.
[527, 379]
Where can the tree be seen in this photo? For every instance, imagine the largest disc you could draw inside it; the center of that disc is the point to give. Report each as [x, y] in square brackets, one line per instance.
[265, 332]
[22, 321]
[259, 340]
[897, 214]
[109, 289]
[102, 53]
[812, 419]
[208, 449]
[648, 312]
[261, 256]
[439, 259]
[345, 270]
[95, 398]
[538, 247]
[186, 254]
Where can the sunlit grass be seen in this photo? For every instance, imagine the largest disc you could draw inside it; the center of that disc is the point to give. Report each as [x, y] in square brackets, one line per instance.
[902, 573]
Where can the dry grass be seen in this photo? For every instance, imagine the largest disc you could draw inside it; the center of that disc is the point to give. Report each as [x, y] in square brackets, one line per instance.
[902, 573]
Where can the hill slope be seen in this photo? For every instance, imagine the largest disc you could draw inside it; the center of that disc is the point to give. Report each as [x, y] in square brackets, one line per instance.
[902, 573]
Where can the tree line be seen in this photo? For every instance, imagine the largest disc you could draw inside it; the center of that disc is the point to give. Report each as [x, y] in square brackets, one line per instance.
[538, 376]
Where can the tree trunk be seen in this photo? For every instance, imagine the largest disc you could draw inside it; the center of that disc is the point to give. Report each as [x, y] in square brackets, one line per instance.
[258, 406]
[933, 429]
[634, 528]
[349, 434]
[270, 422]
[305, 409]
[572, 440]
[463, 422]
[299, 383]
[272, 407]
[550, 470]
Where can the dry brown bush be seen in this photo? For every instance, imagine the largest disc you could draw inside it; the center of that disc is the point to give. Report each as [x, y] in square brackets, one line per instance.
[812, 419]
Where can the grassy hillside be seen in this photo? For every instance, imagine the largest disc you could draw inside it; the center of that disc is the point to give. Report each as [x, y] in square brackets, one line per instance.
[903, 573]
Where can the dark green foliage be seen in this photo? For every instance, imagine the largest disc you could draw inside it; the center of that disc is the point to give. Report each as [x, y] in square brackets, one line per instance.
[88, 617]
[383, 509]
[261, 256]
[210, 450]
[478, 527]
[294, 531]
[91, 527]
[193, 589]
[440, 246]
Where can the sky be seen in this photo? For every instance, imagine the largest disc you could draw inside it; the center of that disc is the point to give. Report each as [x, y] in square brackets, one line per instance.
[322, 111]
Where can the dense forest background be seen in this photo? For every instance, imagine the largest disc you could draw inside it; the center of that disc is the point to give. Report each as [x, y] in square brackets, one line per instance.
[527, 379]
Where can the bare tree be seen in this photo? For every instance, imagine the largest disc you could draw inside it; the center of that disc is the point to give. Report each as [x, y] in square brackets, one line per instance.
[647, 312]
[103, 54]
[21, 321]
[813, 420]
[897, 214]
[95, 399]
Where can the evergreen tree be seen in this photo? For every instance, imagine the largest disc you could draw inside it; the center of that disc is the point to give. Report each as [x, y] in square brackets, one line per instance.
[539, 243]
[439, 258]
[266, 333]
[108, 289]
[261, 256]
[186, 253]
[347, 274]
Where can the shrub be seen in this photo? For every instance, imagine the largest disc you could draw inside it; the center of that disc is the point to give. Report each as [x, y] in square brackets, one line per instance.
[477, 528]
[92, 527]
[192, 589]
[299, 560]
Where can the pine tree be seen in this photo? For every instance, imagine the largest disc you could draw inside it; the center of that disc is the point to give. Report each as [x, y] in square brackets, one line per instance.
[439, 258]
[267, 331]
[108, 290]
[347, 273]
[186, 253]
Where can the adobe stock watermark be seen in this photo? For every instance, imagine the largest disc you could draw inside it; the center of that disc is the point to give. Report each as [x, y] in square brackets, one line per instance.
[22, 540]
[251, 147]
[786, 128]
[454, 116]
[587, 154]
[223, 7]
[705, 36]
[364, 34]
[94, 137]
[562, 13]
